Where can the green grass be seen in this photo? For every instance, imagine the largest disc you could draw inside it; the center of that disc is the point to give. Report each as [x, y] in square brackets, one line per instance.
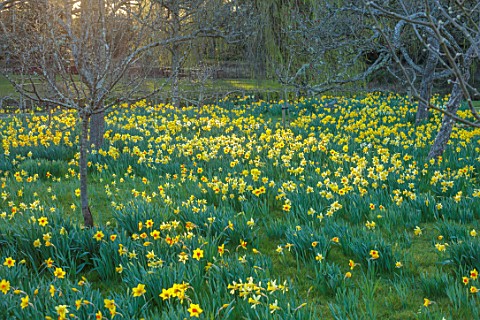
[218, 88]
[216, 138]
[6, 88]
[213, 88]
[476, 104]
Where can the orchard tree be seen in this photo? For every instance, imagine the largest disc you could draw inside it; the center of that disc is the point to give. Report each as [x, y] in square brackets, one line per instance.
[80, 55]
[420, 63]
[407, 42]
[449, 32]
[66, 50]
[175, 18]
[197, 20]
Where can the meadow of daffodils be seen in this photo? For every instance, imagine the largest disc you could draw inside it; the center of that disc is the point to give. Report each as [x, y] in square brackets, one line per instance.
[228, 214]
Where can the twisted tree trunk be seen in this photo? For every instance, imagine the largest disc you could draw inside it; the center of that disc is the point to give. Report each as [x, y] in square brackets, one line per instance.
[445, 131]
[454, 102]
[427, 82]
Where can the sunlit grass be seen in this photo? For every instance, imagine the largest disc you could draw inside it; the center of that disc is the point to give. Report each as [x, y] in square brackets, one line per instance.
[189, 88]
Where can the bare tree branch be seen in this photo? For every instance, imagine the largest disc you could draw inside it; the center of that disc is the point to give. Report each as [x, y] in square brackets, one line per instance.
[8, 4]
[453, 39]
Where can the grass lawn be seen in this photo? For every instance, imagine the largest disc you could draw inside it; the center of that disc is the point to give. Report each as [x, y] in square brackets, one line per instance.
[6, 88]
[213, 88]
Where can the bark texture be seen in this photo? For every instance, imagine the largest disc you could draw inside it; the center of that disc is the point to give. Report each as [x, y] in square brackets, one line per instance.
[175, 76]
[443, 135]
[427, 82]
[87, 215]
[97, 129]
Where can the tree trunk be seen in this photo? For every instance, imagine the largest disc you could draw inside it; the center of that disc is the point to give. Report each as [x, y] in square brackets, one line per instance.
[97, 129]
[175, 75]
[443, 134]
[175, 11]
[87, 215]
[200, 99]
[427, 82]
[284, 109]
[425, 94]
[456, 97]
